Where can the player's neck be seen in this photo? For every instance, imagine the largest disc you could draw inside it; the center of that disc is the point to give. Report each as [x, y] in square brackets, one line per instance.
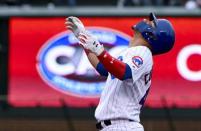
[138, 41]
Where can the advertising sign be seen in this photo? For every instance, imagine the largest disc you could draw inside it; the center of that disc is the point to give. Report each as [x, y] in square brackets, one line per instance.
[47, 67]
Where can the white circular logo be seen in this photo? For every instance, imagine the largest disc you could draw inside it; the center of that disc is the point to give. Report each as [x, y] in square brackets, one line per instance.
[182, 58]
[64, 66]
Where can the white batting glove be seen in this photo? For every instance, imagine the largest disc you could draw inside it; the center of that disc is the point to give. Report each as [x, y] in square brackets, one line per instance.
[75, 25]
[90, 43]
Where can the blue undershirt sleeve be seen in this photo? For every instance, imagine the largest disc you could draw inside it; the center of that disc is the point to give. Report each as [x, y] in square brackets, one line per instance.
[101, 69]
[103, 72]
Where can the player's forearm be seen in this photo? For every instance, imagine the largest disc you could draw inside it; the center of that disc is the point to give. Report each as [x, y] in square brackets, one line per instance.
[116, 67]
[93, 59]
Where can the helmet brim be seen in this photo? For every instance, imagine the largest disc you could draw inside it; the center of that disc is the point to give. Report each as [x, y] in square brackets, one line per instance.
[153, 18]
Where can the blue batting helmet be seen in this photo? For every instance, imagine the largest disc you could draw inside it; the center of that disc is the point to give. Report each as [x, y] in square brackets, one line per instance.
[161, 37]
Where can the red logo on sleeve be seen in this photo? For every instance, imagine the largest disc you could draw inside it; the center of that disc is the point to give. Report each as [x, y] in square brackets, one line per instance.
[137, 61]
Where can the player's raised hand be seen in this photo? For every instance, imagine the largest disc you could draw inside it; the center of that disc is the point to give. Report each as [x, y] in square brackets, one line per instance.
[90, 43]
[75, 25]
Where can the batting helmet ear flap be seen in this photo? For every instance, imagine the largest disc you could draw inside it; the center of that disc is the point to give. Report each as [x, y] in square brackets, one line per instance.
[153, 18]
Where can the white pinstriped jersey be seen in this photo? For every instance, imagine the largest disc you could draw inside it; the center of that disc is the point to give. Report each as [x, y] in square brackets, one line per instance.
[124, 99]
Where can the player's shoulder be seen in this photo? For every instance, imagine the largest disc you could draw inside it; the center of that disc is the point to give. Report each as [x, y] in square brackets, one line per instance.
[140, 54]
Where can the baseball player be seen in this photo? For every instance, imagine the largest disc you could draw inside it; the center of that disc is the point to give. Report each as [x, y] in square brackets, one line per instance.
[128, 73]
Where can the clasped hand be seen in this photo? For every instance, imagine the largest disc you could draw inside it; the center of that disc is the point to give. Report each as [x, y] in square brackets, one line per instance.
[86, 40]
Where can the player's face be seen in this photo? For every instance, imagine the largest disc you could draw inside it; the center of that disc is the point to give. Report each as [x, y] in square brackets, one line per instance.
[137, 34]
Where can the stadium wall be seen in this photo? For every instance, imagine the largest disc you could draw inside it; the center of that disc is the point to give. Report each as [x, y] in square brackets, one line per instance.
[73, 119]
